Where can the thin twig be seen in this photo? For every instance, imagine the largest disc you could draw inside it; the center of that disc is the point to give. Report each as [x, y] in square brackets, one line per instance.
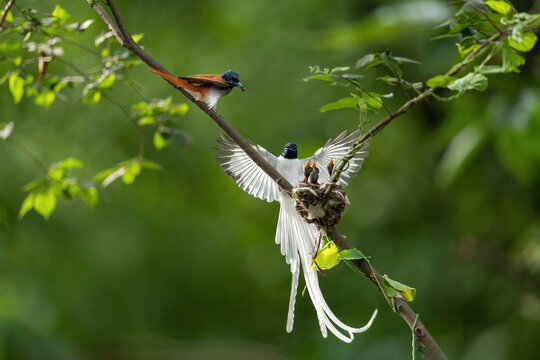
[5, 12]
[19, 145]
[79, 45]
[132, 84]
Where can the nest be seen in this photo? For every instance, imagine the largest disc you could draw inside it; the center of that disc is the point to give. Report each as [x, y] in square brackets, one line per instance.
[307, 199]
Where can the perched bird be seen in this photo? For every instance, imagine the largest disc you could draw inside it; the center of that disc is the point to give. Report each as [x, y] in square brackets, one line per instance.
[204, 87]
[296, 237]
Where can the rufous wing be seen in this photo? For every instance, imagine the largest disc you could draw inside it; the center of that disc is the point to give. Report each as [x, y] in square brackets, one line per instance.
[202, 79]
[176, 80]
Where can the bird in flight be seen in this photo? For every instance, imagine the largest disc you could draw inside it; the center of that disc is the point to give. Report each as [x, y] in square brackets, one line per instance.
[297, 238]
[207, 88]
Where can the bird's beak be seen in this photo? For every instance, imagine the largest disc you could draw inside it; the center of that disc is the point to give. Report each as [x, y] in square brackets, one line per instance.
[241, 86]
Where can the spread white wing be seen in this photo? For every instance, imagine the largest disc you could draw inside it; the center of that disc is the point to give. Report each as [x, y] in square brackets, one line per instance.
[297, 238]
[335, 150]
[239, 166]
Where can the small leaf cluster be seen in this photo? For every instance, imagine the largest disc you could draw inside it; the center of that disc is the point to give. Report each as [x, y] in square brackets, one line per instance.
[330, 255]
[126, 170]
[33, 41]
[43, 193]
[473, 25]
[162, 114]
[363, 100]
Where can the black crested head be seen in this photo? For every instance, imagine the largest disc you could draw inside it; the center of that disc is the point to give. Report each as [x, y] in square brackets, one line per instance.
[290, 151]
[232, 79]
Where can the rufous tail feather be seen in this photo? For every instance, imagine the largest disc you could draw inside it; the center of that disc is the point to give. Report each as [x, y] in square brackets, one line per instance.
[175, 80]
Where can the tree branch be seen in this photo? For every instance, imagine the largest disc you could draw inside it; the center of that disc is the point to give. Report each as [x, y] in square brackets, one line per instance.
[431, 349]
[5, 12]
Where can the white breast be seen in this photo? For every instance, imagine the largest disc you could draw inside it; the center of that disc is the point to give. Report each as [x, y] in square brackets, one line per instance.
[291, 169]
[212, 97]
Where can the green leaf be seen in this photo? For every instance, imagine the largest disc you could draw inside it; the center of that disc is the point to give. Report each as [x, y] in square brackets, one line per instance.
[36, 184]
[131, 171]
[339, 69]
[440, 81]
[517, 32]
[72, 190]
[9, 17]
[401, 59]
[465, 48]
[89, 196]
[92, 97]
[107, 176]
[511, 59]
[167, 135]
[70, 163]
[27, 205]
[149, 165]
[393, 288]
[348, 102]
[321, 77]
[327, 257]
[16, 87]
[179, 110]
[45, 203]
[146, 120]
[470, 81]
[526, 44]
[369, 61]
[137, 37]
[45, 98]
[499, 6]
[160, 142]
[140, 106]
[60, 14]
[371, 101]
[351, 254]
[390, 62]
[492, 69]
[16, 61]
[10, 45]
[107, 81]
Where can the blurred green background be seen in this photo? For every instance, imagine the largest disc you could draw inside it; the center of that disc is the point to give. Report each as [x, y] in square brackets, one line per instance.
[182, 263]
